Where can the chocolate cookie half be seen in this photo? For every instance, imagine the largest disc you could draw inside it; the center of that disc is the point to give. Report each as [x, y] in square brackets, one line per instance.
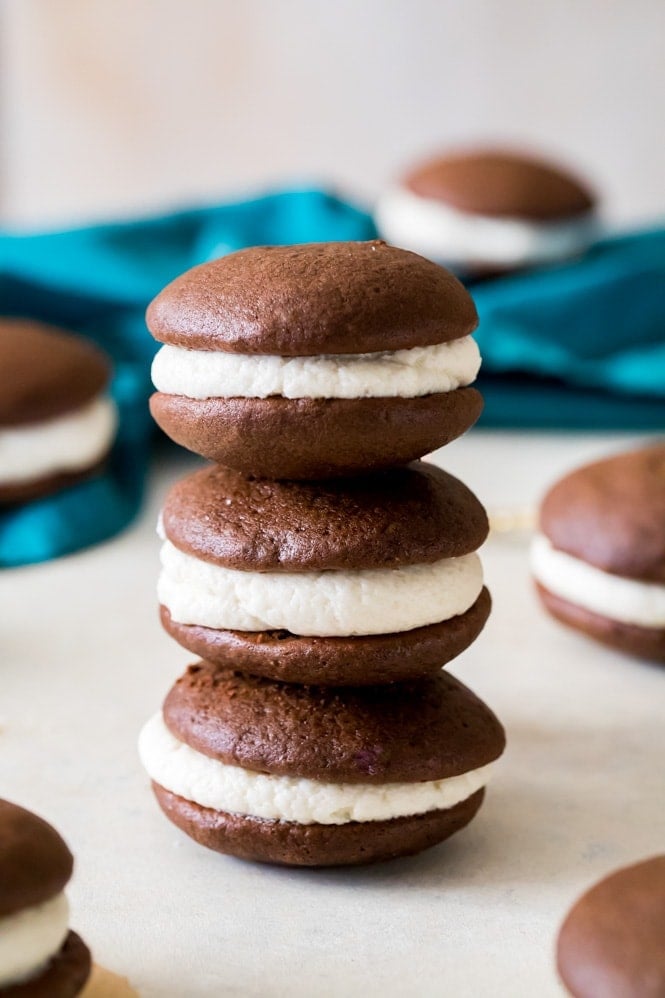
[56, 422]
[312, 361]
[39, 956]
[599, 559]
[347, 582]
[489, 211]
[312, 776]
[611, 943]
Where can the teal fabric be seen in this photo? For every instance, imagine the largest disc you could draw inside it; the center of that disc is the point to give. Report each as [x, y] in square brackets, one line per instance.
[578, 346]
[98, 281]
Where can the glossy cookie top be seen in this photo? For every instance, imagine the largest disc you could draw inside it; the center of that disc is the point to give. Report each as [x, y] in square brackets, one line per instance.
[318, 298]
[501, 184]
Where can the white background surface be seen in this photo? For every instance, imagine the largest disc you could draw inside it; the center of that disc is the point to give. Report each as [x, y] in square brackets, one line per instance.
[580, 791]
[115, 107]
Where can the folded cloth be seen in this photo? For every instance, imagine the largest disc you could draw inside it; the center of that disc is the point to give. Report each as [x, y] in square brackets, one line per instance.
[580, 345]
[98, 281]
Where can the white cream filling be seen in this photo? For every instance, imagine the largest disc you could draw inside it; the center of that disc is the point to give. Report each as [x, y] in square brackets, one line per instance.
[625, 600]
[214, 784]
[463, 239]
[29, 938]
[329, 603]
[201, 374]
[71, 442]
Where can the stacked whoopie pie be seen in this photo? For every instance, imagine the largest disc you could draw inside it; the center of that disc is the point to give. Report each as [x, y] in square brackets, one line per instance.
[322, 572]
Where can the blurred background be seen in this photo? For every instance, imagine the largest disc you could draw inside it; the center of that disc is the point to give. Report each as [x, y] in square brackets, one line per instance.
[110, 109]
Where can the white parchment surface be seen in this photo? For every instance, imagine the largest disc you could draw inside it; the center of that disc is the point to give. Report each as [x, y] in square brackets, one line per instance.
[83, 662]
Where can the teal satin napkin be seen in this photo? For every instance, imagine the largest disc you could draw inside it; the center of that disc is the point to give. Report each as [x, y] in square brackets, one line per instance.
[578, 346]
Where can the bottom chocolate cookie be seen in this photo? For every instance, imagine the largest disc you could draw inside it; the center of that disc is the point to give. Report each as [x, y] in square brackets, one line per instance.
[291, 844]
[306, 438]
[40, 488]
[64, 976]
[357, 661]
[642, 642]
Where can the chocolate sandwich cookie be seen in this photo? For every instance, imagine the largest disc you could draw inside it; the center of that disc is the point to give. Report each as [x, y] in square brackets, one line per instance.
[313, 361]
[489, 211]
[355, 581]
[314, 776]
[612, 944]
[56, 422]
[39, 956]
[599, 558]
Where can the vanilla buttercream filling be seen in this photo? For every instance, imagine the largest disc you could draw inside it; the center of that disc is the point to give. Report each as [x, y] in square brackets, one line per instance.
[461, 238]
[210, 783]
[324, 603]
[627, 601]
[71, 442]
[202, 374]
[30, 938]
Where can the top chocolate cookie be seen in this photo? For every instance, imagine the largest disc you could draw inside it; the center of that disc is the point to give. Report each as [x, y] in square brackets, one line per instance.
[45, 372]
[611, 514]
[35, 863]
[320, 298]
[501, 184]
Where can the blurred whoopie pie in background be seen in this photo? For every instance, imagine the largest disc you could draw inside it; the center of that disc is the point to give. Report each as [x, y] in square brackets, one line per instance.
[40, 957]
[612, 943]
[599, 557]
[57, 422]
[489, 211]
